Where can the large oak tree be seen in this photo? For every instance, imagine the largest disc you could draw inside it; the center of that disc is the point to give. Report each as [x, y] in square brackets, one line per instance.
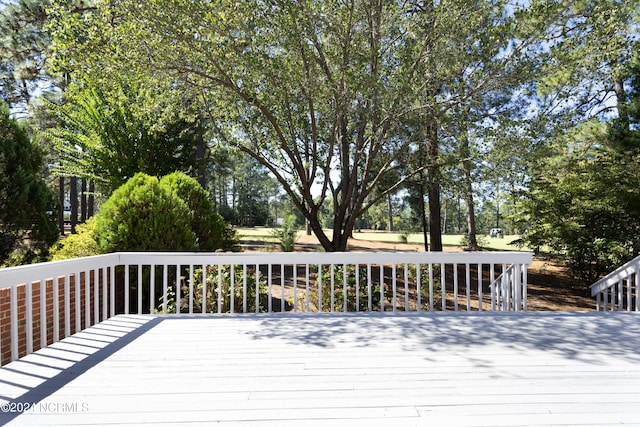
[319, 92]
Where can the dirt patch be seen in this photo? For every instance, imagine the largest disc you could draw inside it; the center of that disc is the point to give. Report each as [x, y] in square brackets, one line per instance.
[550, 287]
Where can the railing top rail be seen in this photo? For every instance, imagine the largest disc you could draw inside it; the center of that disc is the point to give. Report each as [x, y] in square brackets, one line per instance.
[13, 276]
[615, 276]
[288, 258]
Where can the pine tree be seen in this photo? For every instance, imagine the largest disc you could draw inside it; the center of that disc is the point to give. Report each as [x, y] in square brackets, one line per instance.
[27, 221]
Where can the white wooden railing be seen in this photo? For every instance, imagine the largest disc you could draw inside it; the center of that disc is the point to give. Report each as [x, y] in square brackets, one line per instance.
[81, 292]
[620, 289]
[509, 290]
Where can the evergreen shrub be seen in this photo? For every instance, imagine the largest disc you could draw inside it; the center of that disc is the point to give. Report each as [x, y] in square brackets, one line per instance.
[143, 215]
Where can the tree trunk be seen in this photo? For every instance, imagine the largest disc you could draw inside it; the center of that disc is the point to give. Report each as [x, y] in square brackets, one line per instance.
[307, 224]
[465, 154]
[471, 217]
[423, 218]
[435, 229]
[390, 212]
[61, 213]
[73, 198]
[92, 200]
[433, 188]
[83, 201]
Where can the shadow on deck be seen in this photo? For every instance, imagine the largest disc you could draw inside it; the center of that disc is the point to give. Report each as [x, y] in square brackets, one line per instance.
[277, 369]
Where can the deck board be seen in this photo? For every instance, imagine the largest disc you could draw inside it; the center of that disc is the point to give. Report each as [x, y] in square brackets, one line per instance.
[405, 369]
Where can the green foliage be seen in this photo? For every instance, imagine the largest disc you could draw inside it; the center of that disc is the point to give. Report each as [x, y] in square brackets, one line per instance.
[22, 50]
[585, 205]
[287, 234]
[341, 101]
[102, 135]
[173, 214]
[142, 215]
[209, 227]
[27, 216]
[218, 290]
[318, 92]
[81, 244]
[582, 204]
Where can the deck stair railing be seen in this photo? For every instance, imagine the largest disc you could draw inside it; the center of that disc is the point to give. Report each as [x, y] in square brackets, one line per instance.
[620, 289]
[509, 290]
[43, 303]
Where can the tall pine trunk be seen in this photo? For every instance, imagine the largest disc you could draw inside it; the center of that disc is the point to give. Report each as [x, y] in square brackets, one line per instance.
[467, 166]
[433, 188]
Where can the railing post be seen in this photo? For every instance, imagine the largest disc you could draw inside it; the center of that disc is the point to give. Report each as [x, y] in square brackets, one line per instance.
[455, 287]
[524, 286]
[480, 296]
[620, 293]
[56, 309]
[204, 288]
[105, 299]
[126, 290]
[244, 289]
[295, 289]
[112, 291]
[29, 316]
[87, 298]
[165, 287]
[14, 322]
[191, 289]
[220, 288]
[517, 280]
[381, 287]
[67, 305]
[44, 334]
[257, 297]
[319, 279]
[394, 288]
[139, 284]
[76, 293]
[282, 297]
[269, 299]
[369, 289]
[418, 288]
[443, 284]
[152, 287]
[467, 278]
[178, 288]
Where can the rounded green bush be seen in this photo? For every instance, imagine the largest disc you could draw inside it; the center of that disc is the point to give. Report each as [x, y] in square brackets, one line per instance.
[211, 231]
[143, 215]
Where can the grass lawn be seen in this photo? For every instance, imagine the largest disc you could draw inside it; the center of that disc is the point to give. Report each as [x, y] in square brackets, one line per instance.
[264, 234]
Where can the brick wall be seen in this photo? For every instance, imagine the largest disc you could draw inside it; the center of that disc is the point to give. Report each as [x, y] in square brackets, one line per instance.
[96, 280]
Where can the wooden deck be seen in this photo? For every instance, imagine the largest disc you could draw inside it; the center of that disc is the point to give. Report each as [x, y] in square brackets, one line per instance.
[440, 369]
